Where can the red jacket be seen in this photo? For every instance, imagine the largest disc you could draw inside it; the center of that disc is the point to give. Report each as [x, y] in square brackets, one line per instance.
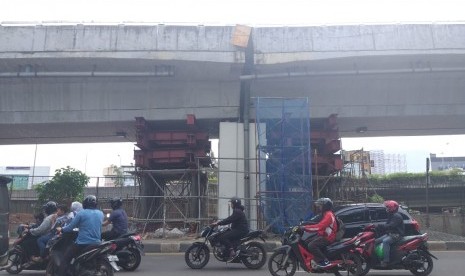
[326, 228]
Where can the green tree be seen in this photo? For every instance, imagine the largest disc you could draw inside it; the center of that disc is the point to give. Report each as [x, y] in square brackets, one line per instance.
[376, 198]
[66, 186]
[119, 178]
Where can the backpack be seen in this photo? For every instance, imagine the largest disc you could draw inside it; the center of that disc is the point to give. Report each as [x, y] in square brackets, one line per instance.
[341, 228]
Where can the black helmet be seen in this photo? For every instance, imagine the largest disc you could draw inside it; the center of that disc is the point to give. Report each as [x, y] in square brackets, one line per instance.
[325, 203]
[50, 207]
[90, 202]
[116, 202]
[235, 202]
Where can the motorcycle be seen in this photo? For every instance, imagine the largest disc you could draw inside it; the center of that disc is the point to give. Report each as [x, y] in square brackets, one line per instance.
[93, 260]
[129, 250]
[294, 254]
[409, 253]
[251, 253]
[19, 257]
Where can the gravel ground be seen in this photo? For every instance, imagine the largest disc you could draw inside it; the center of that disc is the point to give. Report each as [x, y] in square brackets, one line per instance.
[441, 236]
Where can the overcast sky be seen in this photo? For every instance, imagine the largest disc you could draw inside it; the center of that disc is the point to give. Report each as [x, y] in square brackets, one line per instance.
[92, 158]
[253, 12]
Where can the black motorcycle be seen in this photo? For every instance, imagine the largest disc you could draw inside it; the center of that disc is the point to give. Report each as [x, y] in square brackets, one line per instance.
[19, 257]
[93, 260]
[252, 254]
[129, 249]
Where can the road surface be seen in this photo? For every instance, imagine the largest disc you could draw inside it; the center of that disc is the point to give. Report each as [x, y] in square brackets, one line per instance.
[450, 263]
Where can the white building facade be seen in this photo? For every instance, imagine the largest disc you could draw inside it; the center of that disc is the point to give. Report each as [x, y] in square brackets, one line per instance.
[25, 177]
[387, 163]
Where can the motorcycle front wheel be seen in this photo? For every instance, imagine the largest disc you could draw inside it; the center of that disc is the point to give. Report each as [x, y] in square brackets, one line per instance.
[279, 266]
[255, 255]
[426, 265]
[132, 261]
[16, 259]
[197, 256]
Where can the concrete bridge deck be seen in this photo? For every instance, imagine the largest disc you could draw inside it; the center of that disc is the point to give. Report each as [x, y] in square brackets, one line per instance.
[83, 83]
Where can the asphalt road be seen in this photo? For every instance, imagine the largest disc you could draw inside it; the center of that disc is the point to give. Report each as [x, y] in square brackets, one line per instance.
[450, 263]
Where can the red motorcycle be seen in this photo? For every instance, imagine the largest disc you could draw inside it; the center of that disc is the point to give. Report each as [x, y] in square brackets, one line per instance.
[294, 253]
[409, 253]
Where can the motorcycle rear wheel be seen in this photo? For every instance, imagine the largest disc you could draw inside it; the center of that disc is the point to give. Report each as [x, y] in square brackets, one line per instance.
[423, 271]
[52, 269]
[256, 256]
[16, 259]
[197, 256]
[277, 267]
[104, 268]
[353, 269]
[134, 260]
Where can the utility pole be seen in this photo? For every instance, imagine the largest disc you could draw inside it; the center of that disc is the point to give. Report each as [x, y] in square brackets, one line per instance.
[427, 193]
[242, 38]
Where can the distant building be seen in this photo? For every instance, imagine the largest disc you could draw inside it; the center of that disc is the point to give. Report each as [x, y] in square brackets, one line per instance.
[26, 177]
[387, 163]
[446, 163]
[113, 178]
[357, 162]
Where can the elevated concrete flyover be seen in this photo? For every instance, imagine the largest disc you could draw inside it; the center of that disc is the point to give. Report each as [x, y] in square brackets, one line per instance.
[87, 83]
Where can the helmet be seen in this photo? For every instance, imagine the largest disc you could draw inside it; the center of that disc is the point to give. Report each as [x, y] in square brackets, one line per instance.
[116, 202]
[90, 202]
[325, 203]
[391, 206]
[235, 202]
[50, 207]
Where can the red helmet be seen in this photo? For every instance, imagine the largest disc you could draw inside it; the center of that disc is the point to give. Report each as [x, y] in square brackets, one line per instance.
[391, 206]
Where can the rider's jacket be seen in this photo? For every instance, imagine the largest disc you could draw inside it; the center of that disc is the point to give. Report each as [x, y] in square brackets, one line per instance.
[44, 227]
[119, 220]
[395, 224]
[89, 222]
[327, 227]
[237, 219]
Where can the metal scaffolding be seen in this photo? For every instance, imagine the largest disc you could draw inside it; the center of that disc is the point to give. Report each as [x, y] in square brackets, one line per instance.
[285, 189]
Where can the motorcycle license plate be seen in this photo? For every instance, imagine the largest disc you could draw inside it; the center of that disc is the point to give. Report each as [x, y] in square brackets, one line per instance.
[113, 258]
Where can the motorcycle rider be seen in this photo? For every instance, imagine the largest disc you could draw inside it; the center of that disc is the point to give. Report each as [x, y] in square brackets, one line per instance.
[118, 218]
[394, 229]
[61, 220]
[326, 229]
[239, 225]
[76, 206]
[38, 219]
[30, 241]
[89, 221]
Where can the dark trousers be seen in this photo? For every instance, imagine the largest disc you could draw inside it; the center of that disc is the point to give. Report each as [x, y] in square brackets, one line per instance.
[315, 247]
[72, 251]
[29, 243]
[110, 235]
[230, 236]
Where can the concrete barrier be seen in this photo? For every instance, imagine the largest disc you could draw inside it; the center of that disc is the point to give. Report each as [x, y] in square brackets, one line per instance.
[437, 246]
[455, 245]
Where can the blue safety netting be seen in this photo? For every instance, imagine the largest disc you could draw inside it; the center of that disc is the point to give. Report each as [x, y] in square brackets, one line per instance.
[283, 128]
